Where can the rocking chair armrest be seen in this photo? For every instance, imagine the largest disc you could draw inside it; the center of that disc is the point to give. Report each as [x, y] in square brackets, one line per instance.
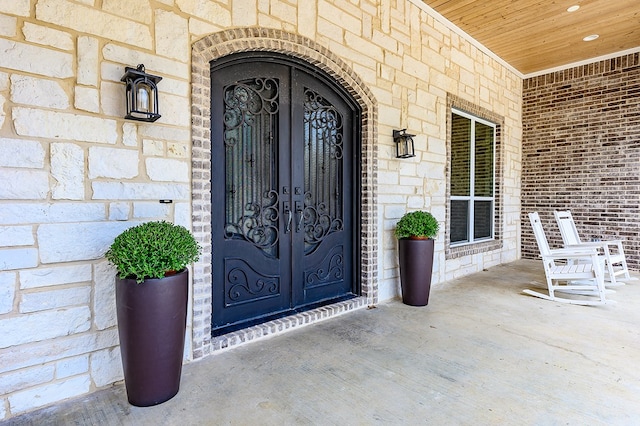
[573, 251]
[597, 243]
[603, 245]
[571, 257]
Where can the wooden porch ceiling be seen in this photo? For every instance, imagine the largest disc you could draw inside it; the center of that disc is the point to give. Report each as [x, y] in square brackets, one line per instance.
[538, 35]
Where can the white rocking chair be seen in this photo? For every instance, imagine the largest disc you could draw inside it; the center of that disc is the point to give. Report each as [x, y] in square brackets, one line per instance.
[570, 271]
[610, 252]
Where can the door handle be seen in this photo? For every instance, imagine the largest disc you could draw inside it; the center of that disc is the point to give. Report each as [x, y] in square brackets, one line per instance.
[299, 213]
[288, 217]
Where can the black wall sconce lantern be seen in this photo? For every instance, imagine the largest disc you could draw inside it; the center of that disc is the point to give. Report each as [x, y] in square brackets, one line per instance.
[142, 94]
[404, 144]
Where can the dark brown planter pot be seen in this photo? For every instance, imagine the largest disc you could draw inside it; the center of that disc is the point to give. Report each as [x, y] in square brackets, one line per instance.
[152, 319]
[416, 265]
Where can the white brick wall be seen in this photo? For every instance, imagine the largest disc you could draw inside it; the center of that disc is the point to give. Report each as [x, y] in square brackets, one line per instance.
[75, 174]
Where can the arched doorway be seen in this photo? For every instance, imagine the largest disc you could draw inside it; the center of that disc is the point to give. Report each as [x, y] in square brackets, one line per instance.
[285, 193]
[215, 47]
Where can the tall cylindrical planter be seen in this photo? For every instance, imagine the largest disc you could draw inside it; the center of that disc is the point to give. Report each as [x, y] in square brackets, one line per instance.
[152, 319]
[416, 265]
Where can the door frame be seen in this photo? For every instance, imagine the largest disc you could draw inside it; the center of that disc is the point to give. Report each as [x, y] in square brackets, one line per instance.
[219, 45]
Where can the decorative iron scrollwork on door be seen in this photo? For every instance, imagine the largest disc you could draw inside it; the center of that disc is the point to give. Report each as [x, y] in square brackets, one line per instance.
[250, 128]
[328, 271]
[244, 284]
[323, 180]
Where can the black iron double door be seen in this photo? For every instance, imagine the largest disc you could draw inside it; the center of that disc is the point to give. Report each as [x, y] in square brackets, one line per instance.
[282, 193]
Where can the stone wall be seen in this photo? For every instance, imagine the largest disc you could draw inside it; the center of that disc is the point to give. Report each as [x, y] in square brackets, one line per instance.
[74, 173]
[581, 151]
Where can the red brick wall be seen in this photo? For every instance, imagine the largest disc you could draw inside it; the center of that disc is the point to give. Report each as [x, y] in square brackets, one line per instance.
[581, 151]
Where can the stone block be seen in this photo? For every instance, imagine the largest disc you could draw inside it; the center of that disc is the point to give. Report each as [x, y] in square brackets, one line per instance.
[26, 378]
[119, 211]
[389, 178]
[47, 36]
[165, 133]
[106, 366]
[3, 114]
[19, 213]
[61, 322]
[176, 110]
[15, 7]
[150, 210]
[68, 242]
[177, 150]
[93, 21]
[60, 125]
[171, 35]
[140, 191]
[112, 163]
[104, 299]
[307, 19]
[21, 153]
[67, 170]
[36, 60]
[87, 61]
[59, 275]
[211, 12]
[175, 87]
[198, 28]
[130, 134]
[245, 14]
[87, 99]
[72, 366]
[16, 236]
[112, 99]
[152, 147]
[23, 184]
[7, 291]
[167, 170]
[54, 299]
[42, 352]
[4, 81]
[137, 10]
[40, 396]
[414, 67]
[8, 26]
[112, 71]
[286, 14]
[182, 214]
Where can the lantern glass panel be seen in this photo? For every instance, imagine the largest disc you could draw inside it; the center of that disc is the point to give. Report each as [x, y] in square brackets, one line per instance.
[143, 98]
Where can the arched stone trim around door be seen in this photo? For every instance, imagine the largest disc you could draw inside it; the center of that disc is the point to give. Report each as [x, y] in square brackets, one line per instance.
[224, 43]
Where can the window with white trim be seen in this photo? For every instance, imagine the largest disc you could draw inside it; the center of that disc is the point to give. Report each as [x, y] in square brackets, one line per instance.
[472, 202]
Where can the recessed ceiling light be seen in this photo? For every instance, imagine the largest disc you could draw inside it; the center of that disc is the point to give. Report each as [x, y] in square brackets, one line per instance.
[573, 8]
[591, 37]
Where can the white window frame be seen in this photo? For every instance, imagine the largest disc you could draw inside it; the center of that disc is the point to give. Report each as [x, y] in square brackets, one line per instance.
[471, 198]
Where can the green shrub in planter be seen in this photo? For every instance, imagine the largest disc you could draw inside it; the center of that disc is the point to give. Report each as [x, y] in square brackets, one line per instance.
[417, 224]
[152, 249]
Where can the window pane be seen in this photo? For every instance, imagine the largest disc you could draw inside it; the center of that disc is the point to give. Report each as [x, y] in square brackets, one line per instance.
[459, 219]
[483, 219]
[483, 161]
[460, 155]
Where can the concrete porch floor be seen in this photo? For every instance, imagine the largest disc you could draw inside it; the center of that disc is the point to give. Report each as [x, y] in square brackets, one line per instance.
[480, 353]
